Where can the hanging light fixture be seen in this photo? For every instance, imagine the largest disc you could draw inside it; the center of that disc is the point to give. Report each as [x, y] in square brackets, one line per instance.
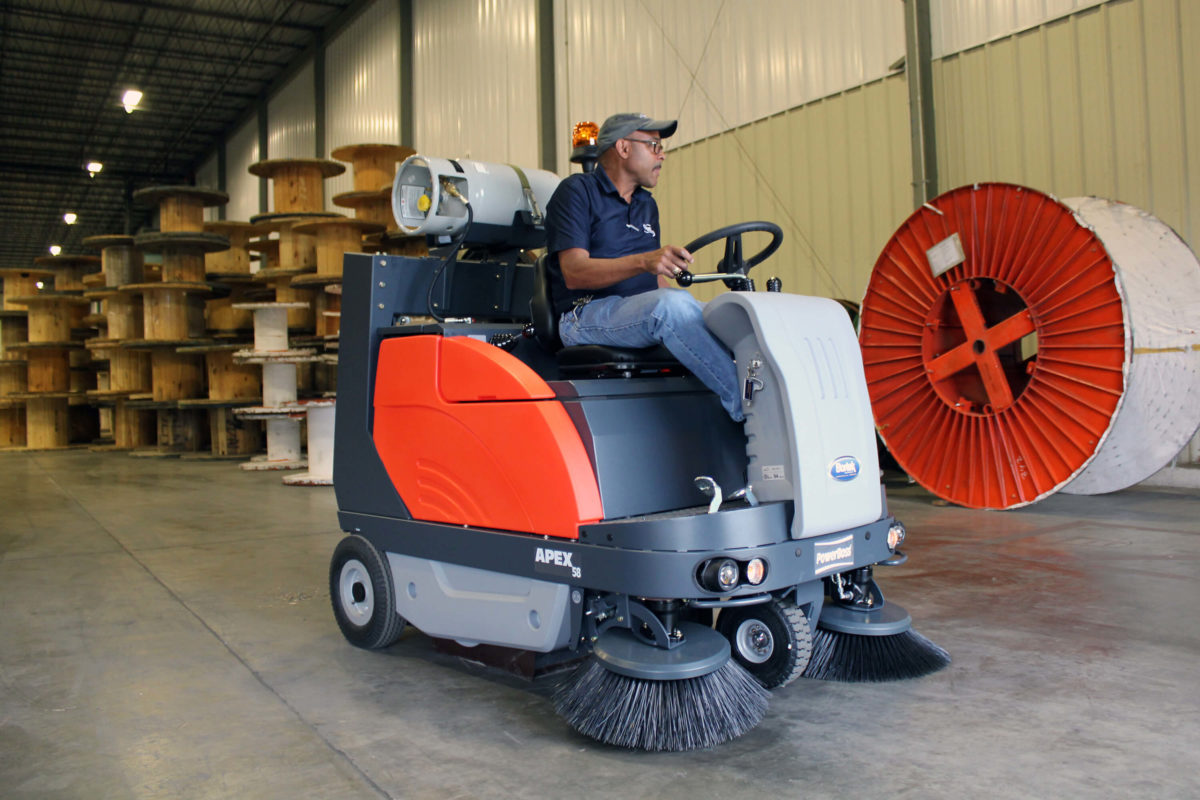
[130, 100]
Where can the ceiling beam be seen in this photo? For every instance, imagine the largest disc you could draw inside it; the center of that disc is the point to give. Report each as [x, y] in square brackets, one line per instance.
[51, 83]
[192, 11]
[134, 27]
[164, 49]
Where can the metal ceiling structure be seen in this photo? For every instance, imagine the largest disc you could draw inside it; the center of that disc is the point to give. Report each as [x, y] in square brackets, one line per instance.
[202, 66]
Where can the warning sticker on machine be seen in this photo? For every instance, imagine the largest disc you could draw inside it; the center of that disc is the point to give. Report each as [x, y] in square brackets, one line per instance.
[772, 472]
[556, 562]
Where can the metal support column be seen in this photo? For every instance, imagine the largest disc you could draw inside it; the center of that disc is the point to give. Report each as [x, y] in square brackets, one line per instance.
[407, 122]
[319, 96]
[264, 134]
[918, 64]
[222, 169]
[547, 113]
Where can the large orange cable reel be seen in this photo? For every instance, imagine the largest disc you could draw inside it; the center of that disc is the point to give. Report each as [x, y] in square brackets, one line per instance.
[998, 334]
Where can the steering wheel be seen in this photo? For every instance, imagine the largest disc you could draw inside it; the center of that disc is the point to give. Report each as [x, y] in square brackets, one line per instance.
[732, 265]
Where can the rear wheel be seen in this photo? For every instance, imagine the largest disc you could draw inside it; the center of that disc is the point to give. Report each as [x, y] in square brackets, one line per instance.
[772, 640]
[364, 601]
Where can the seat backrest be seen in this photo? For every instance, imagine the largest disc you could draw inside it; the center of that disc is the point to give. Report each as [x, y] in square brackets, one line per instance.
[541, 308]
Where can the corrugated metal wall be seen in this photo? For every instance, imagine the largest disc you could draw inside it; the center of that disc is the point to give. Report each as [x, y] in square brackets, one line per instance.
[362, 87]
[292, 118]
[715, 65]
[958, 25]
[1105, 102]
[834, 174]
[775, 120]
[475, 90]
[241, 150]
[208, 176]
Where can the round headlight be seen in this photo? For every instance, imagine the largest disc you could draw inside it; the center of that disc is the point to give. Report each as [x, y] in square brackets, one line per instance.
[896, 535]
[727, 573]
[756, 570]
[720, 575]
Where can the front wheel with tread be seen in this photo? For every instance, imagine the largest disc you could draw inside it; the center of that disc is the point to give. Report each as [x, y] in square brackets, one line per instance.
[772, 640]
[364, 600]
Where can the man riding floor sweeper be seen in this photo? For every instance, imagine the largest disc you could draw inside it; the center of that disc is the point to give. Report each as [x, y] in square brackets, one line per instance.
[598, 504]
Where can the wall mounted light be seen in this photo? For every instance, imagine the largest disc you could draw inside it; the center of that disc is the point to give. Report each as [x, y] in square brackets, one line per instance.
[70, 217]
[93, 167]
[55, 249]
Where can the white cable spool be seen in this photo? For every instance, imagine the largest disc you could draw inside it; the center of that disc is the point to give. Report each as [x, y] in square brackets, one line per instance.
[1158, 278]
[319, 415]
[278, 359]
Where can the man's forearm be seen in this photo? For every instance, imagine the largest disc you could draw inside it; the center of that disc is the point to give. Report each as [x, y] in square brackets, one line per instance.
[585, 272]
[581, 271]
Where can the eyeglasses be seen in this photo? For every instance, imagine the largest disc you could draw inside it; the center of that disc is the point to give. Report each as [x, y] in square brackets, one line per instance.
[655, 145]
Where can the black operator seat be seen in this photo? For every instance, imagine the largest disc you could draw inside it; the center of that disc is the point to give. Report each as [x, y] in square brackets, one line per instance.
[592, 360]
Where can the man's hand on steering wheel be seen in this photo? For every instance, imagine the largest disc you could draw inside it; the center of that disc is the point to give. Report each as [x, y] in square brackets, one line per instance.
[733, 265]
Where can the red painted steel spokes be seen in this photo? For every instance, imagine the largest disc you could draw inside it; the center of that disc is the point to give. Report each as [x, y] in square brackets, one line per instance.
[994, 382]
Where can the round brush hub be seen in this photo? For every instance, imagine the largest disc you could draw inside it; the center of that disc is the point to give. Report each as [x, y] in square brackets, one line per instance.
[702, 651]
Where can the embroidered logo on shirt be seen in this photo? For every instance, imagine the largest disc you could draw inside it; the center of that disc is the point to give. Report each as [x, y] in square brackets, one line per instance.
[646, 228]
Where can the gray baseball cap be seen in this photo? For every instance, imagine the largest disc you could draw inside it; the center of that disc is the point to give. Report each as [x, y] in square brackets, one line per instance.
[618, 126]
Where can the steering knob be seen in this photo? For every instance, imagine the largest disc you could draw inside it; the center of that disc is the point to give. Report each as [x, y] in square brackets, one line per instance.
[684, 278]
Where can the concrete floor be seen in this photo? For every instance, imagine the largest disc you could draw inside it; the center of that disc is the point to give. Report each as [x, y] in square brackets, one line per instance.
[165, 631]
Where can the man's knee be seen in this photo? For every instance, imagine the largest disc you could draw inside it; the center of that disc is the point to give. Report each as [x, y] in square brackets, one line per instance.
[677, 307]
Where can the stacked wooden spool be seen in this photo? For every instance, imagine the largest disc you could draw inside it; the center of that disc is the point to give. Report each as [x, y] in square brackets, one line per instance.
[173, 312]
[92, 376]
[52, 316]
[231, 268]
[122, 265]
[299, 202]
[14, 331]
[374, 171]
[230, 385]
[373, 167]
[298, 191]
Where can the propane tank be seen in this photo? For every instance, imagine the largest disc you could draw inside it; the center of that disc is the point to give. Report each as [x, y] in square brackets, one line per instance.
[507, 203]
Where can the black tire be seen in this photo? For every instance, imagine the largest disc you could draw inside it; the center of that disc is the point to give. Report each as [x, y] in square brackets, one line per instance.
[772, 641]
[364, 599]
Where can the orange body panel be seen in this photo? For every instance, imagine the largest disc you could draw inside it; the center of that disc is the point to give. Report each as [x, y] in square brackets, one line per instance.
[470, 435]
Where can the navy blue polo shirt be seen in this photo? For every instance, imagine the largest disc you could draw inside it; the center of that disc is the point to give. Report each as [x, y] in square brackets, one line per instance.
[587, 211]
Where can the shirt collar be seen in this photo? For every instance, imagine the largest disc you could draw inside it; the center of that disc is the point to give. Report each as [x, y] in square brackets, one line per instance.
[608, 187]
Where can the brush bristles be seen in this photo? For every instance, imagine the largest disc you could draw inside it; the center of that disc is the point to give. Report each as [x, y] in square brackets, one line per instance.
[872, 659]
[688, 714]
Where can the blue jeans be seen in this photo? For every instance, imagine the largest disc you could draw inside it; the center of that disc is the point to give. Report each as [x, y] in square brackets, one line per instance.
[671, 317]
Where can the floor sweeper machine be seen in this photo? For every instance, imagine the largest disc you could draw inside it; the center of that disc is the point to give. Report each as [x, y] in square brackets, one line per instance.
[596, 504]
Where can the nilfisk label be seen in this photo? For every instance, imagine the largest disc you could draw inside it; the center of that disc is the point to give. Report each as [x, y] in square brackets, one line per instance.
[556, 562]
[834, 555]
